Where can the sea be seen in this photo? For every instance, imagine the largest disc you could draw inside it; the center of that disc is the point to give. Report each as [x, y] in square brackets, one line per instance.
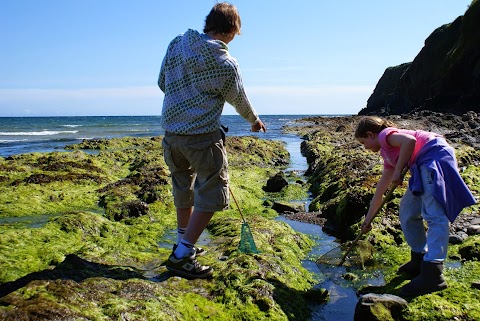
[19, 135]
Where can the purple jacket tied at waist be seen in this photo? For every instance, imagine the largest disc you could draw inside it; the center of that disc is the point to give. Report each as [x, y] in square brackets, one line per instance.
[450, 190]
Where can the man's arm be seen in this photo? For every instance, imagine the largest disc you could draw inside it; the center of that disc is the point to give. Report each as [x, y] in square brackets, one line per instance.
[161, 76]
[234, 94]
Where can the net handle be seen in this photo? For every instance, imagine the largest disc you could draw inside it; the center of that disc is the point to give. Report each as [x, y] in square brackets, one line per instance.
[236, 203]
[385, 199]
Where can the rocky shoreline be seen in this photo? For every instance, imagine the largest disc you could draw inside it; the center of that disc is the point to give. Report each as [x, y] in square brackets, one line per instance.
[459, 130]
[85, 235]
[100, 253]
[342, 177]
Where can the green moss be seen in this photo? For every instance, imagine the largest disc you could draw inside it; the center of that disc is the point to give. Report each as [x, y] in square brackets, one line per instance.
[291, 192]
[459, 300]
[118, 271]
[53, 198]
[86, 263]
[28, 250]
[343, 178]
[470, 249]
[382, 313]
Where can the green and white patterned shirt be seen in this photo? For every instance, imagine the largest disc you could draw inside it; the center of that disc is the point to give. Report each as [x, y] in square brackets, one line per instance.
[198, 76]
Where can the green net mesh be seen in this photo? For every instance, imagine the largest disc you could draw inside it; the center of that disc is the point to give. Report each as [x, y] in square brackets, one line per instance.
[247, 244]
[359, 254]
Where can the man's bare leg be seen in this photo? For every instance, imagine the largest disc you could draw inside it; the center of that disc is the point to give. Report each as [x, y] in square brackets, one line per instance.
[183, 217]
[197, 223]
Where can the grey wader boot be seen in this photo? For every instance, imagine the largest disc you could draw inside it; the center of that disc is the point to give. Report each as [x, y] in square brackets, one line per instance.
[430, 280]
[414, 266]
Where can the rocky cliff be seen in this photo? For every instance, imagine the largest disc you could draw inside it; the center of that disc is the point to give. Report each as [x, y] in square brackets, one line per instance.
[443, 77]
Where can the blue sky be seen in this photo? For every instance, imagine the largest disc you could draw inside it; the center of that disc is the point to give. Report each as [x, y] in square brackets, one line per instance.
[102, 57]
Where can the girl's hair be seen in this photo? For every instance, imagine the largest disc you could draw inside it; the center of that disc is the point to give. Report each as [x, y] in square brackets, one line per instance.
[371, 124]
[223, 18]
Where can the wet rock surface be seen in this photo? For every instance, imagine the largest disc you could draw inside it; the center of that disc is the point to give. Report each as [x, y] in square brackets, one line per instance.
[461, 131]
[108, 225]
[373, 306]
[342, 177]
[275, 183]
[99, 257]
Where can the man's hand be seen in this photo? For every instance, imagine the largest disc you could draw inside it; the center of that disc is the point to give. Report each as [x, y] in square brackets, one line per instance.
[259, 126]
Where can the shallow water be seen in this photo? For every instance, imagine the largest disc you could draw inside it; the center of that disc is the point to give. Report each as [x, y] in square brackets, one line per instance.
[343, 298]
[33, 221]
[170, 238]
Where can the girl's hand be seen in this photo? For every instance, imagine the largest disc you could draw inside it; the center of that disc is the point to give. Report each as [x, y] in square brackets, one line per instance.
[366, 227]
[397, 179]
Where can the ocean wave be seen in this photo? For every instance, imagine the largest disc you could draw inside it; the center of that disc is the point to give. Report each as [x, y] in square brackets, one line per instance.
[42, 133]
[2, 141]
[72, 126]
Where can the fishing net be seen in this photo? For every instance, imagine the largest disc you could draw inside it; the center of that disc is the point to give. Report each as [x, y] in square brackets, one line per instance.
[359, 254]
[359, 251]
[247, 243]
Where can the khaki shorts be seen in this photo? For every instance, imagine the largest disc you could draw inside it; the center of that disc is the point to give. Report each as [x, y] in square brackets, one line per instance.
[199, 168]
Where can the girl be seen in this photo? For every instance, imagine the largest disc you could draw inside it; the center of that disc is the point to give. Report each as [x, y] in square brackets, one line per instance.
[436, 193]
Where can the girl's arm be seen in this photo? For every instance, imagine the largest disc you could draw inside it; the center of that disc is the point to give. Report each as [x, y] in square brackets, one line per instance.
[407, 145]
[377, 198]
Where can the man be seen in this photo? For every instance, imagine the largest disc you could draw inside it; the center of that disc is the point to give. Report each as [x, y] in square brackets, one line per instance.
[198, 76]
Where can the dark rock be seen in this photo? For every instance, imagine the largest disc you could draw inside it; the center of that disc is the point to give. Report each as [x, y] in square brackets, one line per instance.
[470, 252]
[350, 276]
[463, 235]
[128, 209]
[276, 183]
[442, 77]
[307, 217]
[267, 203]
[317, 295]
[283, 207]
[387, 84]
[475, 221]
[455, 239]
[370, 306]
[469, 116]
[473, 230]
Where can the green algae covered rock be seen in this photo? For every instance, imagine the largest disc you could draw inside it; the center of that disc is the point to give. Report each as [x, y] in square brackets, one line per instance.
[85, 235]
[343, 175]
[470, 250]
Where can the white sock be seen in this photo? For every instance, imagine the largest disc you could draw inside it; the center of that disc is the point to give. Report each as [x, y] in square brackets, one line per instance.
[183, 249]
[180, 234]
